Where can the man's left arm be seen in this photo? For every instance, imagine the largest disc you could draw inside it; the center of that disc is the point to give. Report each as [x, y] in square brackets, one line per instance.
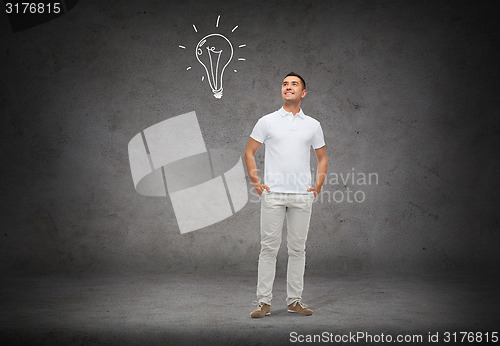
[321, 172]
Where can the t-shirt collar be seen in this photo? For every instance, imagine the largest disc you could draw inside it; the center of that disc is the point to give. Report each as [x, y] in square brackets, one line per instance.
[283, 113]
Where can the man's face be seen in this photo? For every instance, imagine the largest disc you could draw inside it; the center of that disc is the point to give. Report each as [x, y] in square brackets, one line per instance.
[292, 89]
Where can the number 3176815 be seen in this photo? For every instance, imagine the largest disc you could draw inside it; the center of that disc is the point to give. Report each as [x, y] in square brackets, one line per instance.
[32, 7]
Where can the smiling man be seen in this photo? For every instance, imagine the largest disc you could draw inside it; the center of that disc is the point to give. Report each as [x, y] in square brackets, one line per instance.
[287, 191]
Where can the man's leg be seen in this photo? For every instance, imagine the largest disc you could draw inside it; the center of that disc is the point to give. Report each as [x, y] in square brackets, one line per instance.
[297, 217]
[271, 225]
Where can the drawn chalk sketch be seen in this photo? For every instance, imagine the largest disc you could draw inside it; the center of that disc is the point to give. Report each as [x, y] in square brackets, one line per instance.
[170, 159]
[209, 52]
[214, 52]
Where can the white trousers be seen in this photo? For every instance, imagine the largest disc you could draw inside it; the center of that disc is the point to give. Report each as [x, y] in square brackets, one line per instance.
[275, 207]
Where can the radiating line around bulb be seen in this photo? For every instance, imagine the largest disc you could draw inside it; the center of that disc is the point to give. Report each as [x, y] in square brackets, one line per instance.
[236, 27]
[182, 47]
[217, 25]
[242, 45]
[194, 27]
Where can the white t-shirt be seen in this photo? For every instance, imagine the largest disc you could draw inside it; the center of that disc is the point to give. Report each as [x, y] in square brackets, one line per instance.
[288, 140]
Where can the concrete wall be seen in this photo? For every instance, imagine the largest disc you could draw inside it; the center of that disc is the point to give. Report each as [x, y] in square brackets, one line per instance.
[407, 91]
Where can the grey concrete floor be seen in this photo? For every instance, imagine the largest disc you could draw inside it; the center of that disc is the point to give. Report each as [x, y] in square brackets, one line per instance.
[213, 308]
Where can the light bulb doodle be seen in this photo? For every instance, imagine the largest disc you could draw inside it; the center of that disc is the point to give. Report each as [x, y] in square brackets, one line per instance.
[214, 52]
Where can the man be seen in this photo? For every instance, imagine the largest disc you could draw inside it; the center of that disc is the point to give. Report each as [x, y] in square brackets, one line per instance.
[288, 135]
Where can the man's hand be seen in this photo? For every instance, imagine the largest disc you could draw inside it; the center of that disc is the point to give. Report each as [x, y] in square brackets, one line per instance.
[315, 190]
[321, 172]
[260, 188]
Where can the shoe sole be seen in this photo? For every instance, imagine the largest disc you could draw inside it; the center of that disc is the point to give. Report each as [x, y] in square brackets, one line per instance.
[295, 312]
[262, 316]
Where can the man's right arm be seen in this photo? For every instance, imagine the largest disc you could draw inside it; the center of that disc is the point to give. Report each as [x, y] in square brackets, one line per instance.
[251, 166]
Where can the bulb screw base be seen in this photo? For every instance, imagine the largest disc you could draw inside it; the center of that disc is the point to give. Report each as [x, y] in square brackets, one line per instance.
[218, 94]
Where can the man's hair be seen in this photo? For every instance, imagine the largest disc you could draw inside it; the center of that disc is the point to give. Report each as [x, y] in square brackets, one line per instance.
[293, 74]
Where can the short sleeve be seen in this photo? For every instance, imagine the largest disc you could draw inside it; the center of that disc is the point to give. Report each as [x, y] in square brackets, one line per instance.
[318, 139]
[259, 132]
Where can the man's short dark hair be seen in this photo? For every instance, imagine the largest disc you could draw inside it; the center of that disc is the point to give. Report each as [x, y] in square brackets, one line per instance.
[293, 74]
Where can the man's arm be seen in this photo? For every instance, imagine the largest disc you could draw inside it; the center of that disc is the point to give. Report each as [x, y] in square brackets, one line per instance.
[251, 166]
[321, 172]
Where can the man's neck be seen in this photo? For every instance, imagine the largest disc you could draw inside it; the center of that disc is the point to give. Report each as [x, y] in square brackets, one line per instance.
[293, 108]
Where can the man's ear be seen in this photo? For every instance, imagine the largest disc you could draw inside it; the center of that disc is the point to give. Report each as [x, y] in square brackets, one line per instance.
[304, 92]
